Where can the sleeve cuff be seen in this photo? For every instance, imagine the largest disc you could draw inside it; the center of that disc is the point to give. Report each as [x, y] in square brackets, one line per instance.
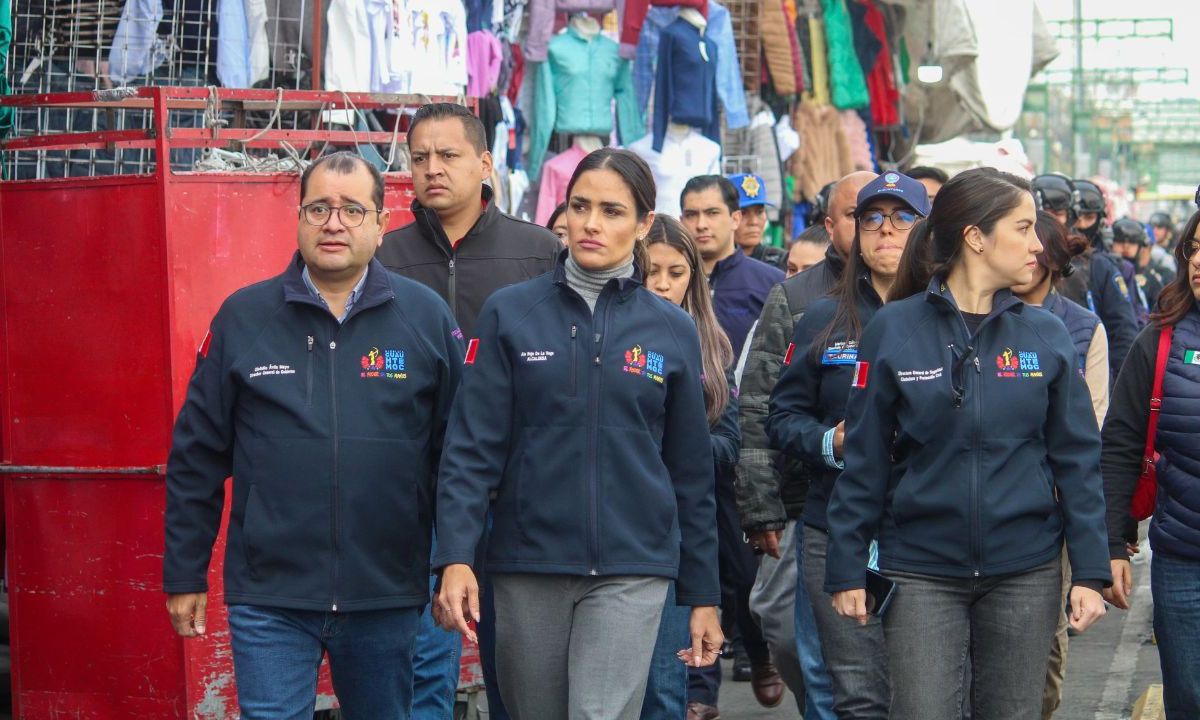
[691, 600]
[442, 559]
[827, 450]
[1096, 585]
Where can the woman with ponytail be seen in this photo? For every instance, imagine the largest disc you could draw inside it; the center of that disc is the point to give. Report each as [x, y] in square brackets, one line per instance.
[582, 422]
[971, 453]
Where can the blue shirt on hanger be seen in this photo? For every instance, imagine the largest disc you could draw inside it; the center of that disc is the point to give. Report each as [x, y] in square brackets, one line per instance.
[685, 88]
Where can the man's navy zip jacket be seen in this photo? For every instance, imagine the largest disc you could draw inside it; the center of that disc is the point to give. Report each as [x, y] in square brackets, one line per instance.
[955, 445]
[591, 430]
[810, 397]
[332, 434]
[739, 287]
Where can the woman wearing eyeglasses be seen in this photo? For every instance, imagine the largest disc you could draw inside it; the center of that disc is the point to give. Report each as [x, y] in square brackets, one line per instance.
[806, 420]
[1175, 525]
[971, 452]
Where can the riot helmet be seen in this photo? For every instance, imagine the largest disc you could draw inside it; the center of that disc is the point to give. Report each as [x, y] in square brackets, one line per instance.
[1056, 195]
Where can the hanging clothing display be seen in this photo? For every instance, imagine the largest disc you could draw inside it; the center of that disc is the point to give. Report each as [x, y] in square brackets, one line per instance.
[348, 51]
[574, 93]
[136, 48]
[633, 16]
[858, 140]
[729, 69]
[428, 48]
[541, 21]
[484, 59]
[819, 63]
[845, 73]
[243, 56]
[824, 154]
[777, 49]
[881, 79]
[685, 89]
[764, 146]
[556, 174]
[685, 154]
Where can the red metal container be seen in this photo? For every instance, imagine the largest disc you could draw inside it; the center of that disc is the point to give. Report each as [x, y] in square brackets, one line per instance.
[107, 286]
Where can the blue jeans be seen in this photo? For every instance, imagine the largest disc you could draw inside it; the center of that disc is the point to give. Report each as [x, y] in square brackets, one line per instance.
[666, 691]
[435, 669]
[277, 652]
[818, 687]
[1175, 585]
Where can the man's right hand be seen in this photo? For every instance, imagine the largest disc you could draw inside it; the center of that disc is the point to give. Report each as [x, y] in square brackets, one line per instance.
[1122, 587]
[767, 541]
[187, 612]
[458, 600]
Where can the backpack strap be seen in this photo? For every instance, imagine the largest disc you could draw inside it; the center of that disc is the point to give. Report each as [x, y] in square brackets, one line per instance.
[1160, 367]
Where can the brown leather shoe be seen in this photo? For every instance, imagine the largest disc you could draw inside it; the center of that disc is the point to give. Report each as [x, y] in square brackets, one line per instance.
[767, 684]
[700, 711]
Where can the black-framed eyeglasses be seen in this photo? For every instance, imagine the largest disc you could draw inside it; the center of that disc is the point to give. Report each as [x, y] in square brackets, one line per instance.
[900, 218]
[318, 213]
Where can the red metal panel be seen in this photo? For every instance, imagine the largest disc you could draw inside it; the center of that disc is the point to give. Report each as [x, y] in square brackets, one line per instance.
[82, 287]
[90, 637]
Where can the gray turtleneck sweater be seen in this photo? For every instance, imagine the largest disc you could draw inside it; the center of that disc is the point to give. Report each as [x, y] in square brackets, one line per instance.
[589, 283]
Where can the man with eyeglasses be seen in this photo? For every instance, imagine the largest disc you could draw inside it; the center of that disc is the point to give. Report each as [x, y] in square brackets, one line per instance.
[324, 392]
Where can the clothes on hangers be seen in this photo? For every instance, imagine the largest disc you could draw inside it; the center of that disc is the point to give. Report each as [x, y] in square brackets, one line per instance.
[824, 156]
[542, 14]
[845, 73]
[685, 88]
[556, 175]
[574, 93]
[683, 156]
[777, 50]
[633, 15]
[729, 69]
[136, 48]
[243, 56]
[484, 59]
[348, 51]
[428, 48]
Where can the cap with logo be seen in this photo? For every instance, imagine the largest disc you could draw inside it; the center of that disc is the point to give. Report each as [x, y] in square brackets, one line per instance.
[751, 190]
[899, 187]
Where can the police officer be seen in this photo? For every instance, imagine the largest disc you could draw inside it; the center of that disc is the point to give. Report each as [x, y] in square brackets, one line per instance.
[753, 202]
[324, 392]
[1095, 282]
[1131, 242]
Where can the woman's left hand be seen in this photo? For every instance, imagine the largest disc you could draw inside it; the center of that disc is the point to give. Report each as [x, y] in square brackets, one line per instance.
[707, 638]
[1087, 606]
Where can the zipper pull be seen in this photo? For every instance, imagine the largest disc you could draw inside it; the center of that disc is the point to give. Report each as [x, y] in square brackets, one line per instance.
[310, 343]
[451, 266]
[574, 330]
[977, 370]
[597, 339]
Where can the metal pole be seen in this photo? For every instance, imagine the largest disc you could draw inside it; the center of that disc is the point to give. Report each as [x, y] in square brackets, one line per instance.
[1077, 91]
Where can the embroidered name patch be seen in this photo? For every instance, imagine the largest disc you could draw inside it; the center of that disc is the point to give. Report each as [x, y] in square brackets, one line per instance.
[905, 376]
[271, 369]
[844, 352]
[533, 356]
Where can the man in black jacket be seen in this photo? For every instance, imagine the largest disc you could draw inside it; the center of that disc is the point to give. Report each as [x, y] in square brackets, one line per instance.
[324, 392]
[462, 247]
[771, 489]
[460, 244]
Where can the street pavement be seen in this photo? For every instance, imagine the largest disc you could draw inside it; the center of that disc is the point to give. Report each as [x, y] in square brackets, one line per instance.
[1108, 667]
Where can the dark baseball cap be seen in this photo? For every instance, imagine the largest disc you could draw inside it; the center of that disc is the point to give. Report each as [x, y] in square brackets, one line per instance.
[896, 186]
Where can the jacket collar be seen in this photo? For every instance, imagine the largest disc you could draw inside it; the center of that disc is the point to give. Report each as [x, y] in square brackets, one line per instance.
[431, 228]
[724, 266]
[625, 286]
[834, 261]
[1002, 301]
[376, 291]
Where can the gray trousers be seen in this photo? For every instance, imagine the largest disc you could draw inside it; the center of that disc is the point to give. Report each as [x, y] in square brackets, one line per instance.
[575, 647]
[772, 603]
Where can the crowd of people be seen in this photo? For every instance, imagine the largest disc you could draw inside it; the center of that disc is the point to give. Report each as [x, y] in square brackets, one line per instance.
[888, 467]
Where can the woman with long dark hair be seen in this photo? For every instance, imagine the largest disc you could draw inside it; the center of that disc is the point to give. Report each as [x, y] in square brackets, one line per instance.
[582, 414]
[1175, 524]
[971, 450]
[807, 421]
[676, 274]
